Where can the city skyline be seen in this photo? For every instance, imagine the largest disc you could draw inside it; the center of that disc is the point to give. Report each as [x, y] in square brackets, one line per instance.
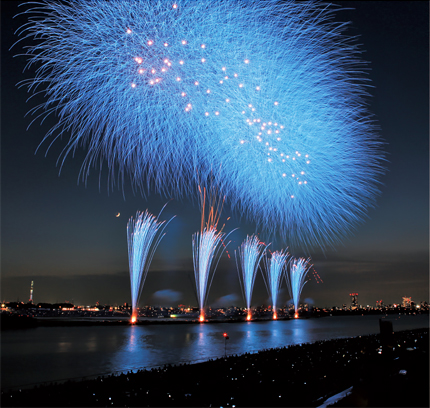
[351, 304]
[67, 238]
[161, 301]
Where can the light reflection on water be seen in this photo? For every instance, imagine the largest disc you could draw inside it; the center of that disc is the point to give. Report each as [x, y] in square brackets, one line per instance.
[54, 353]
[64, 346]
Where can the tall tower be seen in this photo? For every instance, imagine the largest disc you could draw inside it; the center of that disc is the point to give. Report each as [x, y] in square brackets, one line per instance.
[31, 292]
[354, 300]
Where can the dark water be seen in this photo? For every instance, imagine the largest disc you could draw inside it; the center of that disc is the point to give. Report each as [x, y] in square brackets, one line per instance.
[55, 353]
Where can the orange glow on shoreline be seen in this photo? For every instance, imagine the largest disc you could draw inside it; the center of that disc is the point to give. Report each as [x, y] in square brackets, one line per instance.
[296, 315]
[275, 316]
[133, 319]
[249, 316]
[202, 318]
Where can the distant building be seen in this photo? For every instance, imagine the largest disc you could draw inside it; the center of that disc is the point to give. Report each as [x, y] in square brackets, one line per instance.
[406, 302]
[379, 304]
[354, 300]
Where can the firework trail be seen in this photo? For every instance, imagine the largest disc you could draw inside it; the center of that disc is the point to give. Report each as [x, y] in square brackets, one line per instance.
[208, 245]
[248, 258]
[271, 94]
[274, 271]
[296, 279]
[144, 233]
[315, 274]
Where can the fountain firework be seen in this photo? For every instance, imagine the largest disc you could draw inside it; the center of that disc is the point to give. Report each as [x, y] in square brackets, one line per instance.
[144, 233]
[271, 94]
[248, 258]
[296, 279]
[208, 246]
[274, 270]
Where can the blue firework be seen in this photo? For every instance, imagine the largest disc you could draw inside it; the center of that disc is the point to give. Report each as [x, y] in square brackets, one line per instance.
[274, 270]
[208, 244]
[144, 233]
[296, 279]
[267, 96]
[248, 257]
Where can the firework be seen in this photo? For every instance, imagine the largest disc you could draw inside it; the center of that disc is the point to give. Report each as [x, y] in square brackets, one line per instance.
[144, 233]
[296, 279]
[274, 270]
[248, 258]
[208, 245]
[268, 95]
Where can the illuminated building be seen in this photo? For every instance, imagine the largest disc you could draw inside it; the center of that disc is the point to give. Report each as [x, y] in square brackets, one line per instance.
[406, 301]
[354, 300]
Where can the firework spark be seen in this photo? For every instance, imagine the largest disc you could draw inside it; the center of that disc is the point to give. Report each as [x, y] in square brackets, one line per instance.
[296, 279]
[271, 94]
[208, 245]
[144, 233]
[248, 258]
[274, 270]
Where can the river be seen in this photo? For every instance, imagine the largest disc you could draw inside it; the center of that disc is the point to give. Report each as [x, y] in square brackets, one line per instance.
[30, 356]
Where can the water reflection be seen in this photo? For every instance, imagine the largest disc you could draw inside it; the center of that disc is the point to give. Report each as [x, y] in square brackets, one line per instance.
[64, 346]
[176, 344]
[53, 353]
[133, 340]
[91, 344]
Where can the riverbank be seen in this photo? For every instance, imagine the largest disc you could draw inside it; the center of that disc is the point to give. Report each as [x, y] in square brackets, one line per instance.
[16, 321]
[301, 375]
[25, 322]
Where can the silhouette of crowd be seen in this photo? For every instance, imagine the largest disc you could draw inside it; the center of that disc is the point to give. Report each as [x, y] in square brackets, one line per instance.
[394, 374]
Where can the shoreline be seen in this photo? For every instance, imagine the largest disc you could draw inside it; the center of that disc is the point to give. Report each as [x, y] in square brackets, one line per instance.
[32, 322]
[25, 322]
[300, 375]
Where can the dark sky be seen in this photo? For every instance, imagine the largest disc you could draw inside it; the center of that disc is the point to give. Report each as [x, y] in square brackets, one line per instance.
[63, 233]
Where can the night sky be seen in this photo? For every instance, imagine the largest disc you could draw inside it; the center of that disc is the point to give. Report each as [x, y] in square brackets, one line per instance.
[63, 233]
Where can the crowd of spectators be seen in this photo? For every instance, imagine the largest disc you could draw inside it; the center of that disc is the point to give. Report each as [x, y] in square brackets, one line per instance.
[391, 374]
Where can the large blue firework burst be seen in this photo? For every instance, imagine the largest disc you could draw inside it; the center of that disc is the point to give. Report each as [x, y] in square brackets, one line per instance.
[266, 97]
